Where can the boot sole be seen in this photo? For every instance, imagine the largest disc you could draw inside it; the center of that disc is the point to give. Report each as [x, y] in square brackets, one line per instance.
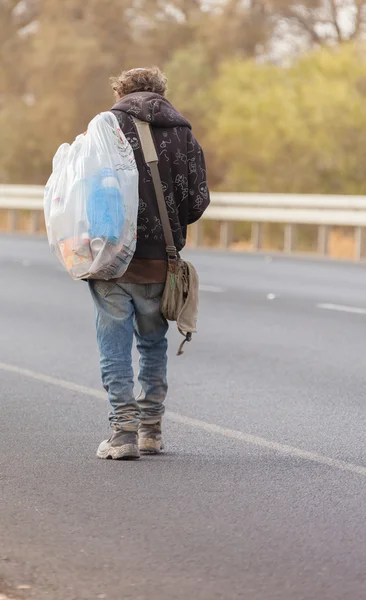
[126, 452]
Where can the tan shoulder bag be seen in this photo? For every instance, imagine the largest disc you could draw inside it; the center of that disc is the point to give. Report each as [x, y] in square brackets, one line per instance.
[180, 297]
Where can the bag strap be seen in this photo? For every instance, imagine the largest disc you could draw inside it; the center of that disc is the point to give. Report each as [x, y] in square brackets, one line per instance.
[151, 158]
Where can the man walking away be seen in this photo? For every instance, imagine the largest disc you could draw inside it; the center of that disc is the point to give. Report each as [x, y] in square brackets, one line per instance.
[131, 305]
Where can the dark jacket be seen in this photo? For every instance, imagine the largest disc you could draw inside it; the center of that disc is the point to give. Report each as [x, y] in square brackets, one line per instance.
[182, 171]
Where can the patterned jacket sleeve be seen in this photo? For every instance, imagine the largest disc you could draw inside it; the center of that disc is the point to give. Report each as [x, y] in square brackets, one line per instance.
[199, 195]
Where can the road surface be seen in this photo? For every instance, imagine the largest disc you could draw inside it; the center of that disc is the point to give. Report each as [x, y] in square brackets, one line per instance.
[262, 492]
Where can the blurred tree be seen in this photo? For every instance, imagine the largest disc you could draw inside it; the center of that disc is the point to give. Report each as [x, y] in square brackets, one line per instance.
[56, 58]
[239, 28]
[300, 129]
[16, 18]
[64, 53]
[319, 22]
[163, 27]
[55, 94]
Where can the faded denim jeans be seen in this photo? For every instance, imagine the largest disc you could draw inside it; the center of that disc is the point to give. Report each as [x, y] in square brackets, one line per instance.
[122, 311]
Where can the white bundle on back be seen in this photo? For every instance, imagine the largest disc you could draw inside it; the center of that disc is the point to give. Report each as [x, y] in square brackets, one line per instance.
[91, 202]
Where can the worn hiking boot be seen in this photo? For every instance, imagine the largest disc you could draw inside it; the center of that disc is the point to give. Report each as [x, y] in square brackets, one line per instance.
[122, 445]
[150, 439]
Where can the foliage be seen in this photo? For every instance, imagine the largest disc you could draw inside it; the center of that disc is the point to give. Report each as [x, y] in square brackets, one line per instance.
[266, 124]
[298, 129]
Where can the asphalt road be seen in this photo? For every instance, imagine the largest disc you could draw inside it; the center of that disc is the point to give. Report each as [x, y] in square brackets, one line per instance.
[262, 492]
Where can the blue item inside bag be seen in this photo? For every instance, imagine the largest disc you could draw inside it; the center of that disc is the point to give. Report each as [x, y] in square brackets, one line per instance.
[105, 207]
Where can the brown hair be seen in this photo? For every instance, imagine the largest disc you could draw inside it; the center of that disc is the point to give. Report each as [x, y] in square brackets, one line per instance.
[140, 80]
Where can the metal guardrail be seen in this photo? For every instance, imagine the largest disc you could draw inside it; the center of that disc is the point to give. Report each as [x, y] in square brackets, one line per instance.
[288, 209]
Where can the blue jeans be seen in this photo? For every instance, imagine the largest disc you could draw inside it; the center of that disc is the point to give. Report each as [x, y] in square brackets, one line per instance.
[122, 311]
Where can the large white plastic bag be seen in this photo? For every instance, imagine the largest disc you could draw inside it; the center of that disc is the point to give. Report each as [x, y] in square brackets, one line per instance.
[91, 202]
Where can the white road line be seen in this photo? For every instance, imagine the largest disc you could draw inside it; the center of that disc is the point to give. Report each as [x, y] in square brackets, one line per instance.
[211, 288]
[2, 597]
[68, 385]
[234, 434]
[343, 308]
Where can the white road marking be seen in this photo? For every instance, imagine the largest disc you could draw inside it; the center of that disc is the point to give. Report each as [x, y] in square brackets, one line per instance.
[211, 288]
[2, 597]
[24, 587]
[68, 385]
[343, 308]
[234, 434]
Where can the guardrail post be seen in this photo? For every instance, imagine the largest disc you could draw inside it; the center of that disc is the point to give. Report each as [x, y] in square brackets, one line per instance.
[226, 234]
[12, 220]
[360, 243]
[196, 232]
[34, 221]
[257, 236]
[288, 241]
[323, 238]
